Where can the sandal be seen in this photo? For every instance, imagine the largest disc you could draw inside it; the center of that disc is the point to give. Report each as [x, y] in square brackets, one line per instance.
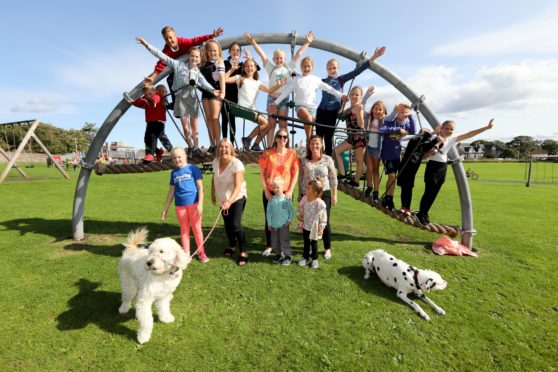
[242, 260]
[228, 252]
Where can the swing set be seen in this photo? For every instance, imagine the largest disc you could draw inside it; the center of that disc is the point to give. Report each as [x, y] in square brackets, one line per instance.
[24, 140]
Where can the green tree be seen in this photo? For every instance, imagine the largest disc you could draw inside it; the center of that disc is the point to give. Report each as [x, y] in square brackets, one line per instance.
[524, 145]
[550, 146]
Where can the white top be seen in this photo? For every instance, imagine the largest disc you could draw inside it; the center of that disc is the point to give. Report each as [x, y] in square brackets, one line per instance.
[305, 88]
[279, 73]
[224, 182]
[442, 154]
[248, 92]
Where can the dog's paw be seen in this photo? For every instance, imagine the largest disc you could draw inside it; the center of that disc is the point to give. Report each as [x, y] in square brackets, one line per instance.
[143, 337]
[168, 318]
[124, 308]
[424, 316]
[367, 275]
[440, 311]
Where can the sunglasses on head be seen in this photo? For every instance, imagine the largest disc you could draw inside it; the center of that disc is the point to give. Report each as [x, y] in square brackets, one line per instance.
[282, 136]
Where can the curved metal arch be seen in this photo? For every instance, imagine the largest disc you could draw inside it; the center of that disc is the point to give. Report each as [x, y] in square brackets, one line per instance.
[288, 39]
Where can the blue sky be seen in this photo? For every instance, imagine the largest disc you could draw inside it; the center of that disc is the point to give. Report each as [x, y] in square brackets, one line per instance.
[68, 62]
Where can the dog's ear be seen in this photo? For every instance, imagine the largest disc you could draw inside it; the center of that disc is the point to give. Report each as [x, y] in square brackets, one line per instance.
[181, 259]
[430, 283]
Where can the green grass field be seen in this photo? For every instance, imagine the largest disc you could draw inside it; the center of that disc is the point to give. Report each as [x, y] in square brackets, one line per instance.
[60, 297]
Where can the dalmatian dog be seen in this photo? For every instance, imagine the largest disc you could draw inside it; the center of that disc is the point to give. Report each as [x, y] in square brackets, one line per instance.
[404, 278]
[150, 276]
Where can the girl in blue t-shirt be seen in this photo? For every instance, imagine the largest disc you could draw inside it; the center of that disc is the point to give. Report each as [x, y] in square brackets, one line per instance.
[186, 188]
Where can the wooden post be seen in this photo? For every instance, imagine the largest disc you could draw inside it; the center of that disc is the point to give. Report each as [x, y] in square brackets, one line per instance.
[17, 167]
[50, 156]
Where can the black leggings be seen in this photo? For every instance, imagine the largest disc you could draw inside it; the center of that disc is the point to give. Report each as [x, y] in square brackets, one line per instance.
[152, 132]
[434, 178]
[233, 224]
[228, 121]
[326, 197]
[329, 118]
[310, 246]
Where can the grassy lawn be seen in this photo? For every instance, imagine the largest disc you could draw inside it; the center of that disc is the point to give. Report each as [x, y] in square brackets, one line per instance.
[60, 297]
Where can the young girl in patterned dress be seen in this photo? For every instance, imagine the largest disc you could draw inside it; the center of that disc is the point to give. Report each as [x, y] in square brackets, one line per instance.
[312, 215]
[356, 139]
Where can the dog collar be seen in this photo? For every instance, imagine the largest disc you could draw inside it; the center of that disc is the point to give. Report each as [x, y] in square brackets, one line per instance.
[415, 276]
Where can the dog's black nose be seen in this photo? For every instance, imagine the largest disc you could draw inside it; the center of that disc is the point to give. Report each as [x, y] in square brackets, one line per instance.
[149, 263]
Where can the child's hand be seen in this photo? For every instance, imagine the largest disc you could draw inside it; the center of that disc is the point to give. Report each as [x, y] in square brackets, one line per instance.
[200, 209]
[344, 98]
[310, 37]
[321, 230]
[249, 38]
[378, 53]
[218, 32]
[164, 215]
[217, 93]
[402, 132]
[370, 89]
[226, 205]
[141, 41]
[490, 123]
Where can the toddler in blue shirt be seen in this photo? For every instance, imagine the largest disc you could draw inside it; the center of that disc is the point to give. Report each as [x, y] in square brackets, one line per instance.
[279, 217]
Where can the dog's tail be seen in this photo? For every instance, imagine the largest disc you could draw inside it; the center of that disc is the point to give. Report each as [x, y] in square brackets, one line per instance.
[135, 238]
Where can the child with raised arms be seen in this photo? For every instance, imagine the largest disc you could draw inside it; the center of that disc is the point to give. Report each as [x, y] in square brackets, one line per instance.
[186, 104]
[436, 168]
[278, 70]
[304, 88]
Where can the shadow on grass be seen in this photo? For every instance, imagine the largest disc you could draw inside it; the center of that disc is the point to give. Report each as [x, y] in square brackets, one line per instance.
[90, 306]
[372, 286]
[60, 230]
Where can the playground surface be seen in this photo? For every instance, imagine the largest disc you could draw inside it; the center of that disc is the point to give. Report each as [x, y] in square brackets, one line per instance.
[60, 296]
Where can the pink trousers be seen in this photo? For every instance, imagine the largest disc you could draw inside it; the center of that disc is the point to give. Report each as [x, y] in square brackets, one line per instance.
[188, 216]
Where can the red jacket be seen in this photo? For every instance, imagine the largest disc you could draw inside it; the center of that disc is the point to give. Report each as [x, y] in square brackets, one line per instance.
[184, 46]
[154, 111]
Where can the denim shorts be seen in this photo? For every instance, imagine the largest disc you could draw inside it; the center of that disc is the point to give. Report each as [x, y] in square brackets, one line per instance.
[373, 151]
[311, 110]
[281, 106]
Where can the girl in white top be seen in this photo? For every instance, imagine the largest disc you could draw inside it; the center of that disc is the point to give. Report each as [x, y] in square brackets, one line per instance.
[248, 89]
[278, 70]
[228, 188]
[305, 87]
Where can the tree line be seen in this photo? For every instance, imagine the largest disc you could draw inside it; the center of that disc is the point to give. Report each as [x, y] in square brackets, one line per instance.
[520, 147]
[56, 140]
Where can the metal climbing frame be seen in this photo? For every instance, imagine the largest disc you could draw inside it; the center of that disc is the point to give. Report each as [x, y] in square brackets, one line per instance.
[468, 231]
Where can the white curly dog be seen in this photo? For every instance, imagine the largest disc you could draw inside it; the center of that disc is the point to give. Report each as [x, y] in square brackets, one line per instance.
[404, 278]
[150, 276]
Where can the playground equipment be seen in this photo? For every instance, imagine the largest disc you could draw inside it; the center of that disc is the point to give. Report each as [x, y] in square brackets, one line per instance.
[467, 230]
[32, 124]
[544, 162]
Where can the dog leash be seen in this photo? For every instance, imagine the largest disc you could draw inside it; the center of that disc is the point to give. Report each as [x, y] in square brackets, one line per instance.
[210, 231]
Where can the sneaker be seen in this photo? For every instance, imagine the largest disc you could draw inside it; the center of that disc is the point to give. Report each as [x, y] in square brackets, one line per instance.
[159, 154]
[266, 252]
[406, 211]
[315, 264]
[148, 158]
[341, 177]
[368, 191]
[391, 206]
[276, 259]
[198, 152]
[246, 143]
[286, 261]
[203, 258]
[375, 198]
[422, 219]
[303, 262]
[255, 147]
[352, 183]
[327, 254]
[384, 202]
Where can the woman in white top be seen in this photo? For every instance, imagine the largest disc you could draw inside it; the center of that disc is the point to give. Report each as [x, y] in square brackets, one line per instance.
[305, 87]
[228, 188]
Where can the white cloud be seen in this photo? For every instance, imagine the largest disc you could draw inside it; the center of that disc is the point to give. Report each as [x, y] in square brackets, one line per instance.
[526, 85]
[536, 35]
[34, 105]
